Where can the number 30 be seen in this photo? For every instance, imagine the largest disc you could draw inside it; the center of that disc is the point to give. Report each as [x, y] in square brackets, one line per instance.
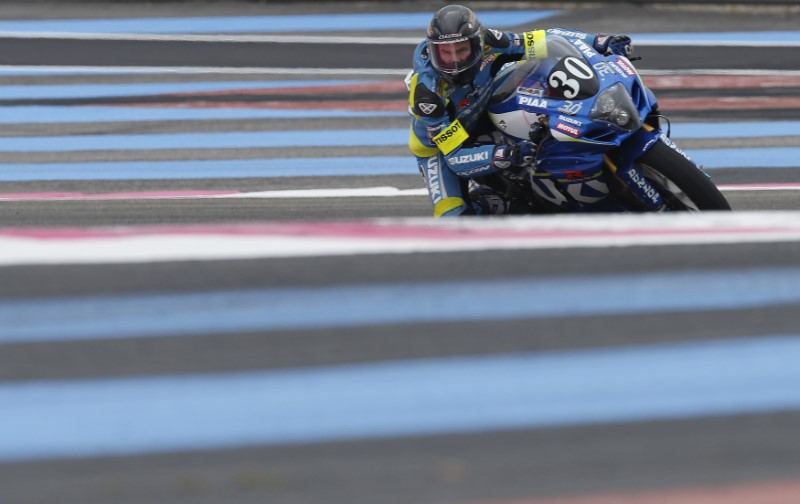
[576, 68]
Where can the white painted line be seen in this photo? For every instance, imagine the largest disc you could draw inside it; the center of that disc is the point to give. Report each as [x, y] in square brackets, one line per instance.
[189, 37]
[323, 39]
[357, 192]
[345, 192]
[715, 43]
[198, 70]
[394, 192]
[191, 70]
[721, 71]
[759, 187]
[389, 236]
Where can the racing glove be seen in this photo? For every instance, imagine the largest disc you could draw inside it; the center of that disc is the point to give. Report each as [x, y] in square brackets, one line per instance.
[613, 44]
[518, 155]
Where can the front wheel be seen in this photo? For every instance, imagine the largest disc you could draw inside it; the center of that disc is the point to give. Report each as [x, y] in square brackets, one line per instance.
[682, 184]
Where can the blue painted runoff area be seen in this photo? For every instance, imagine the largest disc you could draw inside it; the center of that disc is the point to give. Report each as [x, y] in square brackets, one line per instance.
[738, 129]
[236, 168]
[321, 138]
[756, 157]
[89, 418]
[313, 167]
[56, 114]
[76, 91]
[314, 23]
[181, 314]
[213, 140]
[755, 36]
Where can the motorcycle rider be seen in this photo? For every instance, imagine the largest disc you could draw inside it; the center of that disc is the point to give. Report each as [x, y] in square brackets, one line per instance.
[449, 88]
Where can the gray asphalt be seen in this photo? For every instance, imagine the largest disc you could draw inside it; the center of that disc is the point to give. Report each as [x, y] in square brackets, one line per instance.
[489, 466]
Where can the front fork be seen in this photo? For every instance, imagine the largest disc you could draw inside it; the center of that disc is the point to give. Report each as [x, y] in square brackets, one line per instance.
[623, 167]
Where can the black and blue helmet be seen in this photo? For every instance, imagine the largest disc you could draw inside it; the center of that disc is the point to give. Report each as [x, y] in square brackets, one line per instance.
[455, 44]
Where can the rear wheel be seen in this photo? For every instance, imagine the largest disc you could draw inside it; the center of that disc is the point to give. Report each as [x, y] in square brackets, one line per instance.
[682, 184]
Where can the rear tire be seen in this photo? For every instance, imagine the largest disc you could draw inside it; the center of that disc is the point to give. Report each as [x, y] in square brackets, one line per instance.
[683, 185]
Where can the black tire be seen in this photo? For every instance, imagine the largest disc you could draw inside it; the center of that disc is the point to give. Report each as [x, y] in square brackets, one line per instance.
[682, 184]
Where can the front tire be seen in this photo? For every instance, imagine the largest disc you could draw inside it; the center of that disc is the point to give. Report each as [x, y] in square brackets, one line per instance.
[683, 185]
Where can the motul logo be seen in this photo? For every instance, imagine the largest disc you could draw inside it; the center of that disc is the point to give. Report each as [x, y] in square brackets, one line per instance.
[569, 130]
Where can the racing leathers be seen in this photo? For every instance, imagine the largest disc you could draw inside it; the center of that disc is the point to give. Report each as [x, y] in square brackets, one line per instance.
[447, 119]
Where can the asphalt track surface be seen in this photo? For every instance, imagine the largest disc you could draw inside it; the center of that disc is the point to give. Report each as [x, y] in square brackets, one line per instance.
[717, 297]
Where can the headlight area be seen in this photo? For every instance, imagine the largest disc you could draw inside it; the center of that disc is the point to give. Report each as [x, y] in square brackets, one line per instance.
[615, 107]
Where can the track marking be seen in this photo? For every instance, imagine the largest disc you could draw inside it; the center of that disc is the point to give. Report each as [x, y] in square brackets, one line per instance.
[761, 492]
[144, 315]
[331, 138]
[347, 192]
[83, 69]
[760, 187]
[734, 81]
[726, 39]
[711, 159]
[283, 24]
[80, 418]
[729, 103]
[104, 90]
[401, 236]
[88, 114]
[340, 87]
[357, 192]
[203, 140]
[227, 38]
[195, 70]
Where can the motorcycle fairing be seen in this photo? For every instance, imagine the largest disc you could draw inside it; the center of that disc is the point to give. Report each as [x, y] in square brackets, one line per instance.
[560, 92]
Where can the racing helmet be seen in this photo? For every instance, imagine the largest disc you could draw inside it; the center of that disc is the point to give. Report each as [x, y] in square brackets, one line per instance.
[455, 44]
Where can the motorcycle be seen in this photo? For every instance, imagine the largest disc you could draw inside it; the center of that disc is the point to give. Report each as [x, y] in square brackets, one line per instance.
[601, 146]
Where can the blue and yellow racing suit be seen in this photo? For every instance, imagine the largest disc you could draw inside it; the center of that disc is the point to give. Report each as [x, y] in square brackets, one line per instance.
[446, 118]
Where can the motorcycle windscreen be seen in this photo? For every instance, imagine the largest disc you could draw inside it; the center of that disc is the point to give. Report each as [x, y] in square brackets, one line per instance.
[562, 74]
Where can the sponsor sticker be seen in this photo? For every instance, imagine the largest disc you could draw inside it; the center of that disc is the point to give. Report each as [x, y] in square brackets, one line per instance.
[451, 36]
[625, 67]
[567, 33]
[573, 175]
[644, 186]
[488, 60]
[570, 120]
[532, 102]
[468, 158]
[431, 173]
[584, 48]
[498, 161]
[451, 137]
[473, 171]
[602, 68]
[569, 130]
[672, 145]
[529, 91]
[570, 107]
[618, 69]
[535, 46]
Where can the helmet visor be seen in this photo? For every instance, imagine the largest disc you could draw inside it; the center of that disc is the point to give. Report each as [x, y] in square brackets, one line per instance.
[455, 55]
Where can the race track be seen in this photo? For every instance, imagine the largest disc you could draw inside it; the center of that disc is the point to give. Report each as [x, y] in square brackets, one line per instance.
[219, 280]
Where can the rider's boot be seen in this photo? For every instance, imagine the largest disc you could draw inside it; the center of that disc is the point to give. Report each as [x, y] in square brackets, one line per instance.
[487, 201]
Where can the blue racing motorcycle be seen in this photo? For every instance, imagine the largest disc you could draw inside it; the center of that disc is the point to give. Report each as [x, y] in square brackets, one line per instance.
[599, 137]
